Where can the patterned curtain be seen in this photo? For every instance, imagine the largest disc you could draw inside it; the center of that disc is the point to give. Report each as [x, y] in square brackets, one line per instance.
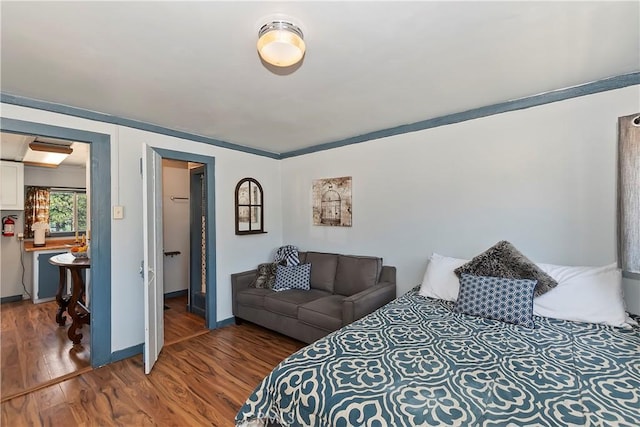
[36, 208]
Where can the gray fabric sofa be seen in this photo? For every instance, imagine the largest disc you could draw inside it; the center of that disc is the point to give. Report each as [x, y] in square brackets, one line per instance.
[344, 288]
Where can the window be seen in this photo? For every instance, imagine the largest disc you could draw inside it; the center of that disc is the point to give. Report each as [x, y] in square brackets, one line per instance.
[249, 207]
[67, 211]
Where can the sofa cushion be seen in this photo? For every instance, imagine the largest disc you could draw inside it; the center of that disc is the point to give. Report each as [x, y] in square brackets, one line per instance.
[253, 297]
[356, 273]
[287, 302]
[325, 313]
[323, 270]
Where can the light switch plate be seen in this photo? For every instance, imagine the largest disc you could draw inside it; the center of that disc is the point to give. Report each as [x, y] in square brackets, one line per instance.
[118, 212]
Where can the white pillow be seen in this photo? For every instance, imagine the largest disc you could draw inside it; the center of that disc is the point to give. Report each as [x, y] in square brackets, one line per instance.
[584, 294]
[439, 280]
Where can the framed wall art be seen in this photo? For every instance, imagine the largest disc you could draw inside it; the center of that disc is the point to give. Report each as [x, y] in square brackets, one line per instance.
[332, 201]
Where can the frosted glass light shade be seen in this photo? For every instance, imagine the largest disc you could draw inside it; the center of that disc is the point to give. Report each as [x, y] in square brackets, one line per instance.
[281, 43]
[45, 154]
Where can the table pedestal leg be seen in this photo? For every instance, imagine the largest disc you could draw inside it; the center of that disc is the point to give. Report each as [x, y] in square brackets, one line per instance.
[62, 301]
[75, 305]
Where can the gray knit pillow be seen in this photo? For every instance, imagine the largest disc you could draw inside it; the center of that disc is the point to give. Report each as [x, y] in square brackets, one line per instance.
[504, 260]
[265, 276]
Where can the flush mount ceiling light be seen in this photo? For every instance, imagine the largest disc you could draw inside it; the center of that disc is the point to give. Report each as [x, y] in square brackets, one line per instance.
[281, 43]
[46, 154]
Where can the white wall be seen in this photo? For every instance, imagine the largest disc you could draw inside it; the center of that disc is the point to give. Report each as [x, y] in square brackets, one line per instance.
[10, 265]
[11, 276]
[543, 178]
[234, 253]
[175, 224]
[62, 176]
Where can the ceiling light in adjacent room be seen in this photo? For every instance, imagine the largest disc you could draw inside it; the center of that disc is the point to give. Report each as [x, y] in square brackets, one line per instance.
[281, 43]
[46, 154]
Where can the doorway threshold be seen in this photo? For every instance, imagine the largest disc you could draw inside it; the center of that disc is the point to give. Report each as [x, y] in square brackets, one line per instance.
[49, 383]
[187, 337]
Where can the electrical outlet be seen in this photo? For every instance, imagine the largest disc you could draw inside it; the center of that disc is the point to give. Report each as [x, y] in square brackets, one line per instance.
[20, 236]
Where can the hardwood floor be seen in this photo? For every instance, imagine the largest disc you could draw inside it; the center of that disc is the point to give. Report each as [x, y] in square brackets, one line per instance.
[34, 350]
[202, 381]
[178, 323]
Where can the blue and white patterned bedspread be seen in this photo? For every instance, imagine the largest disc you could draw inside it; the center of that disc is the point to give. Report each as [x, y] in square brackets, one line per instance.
[415, 362]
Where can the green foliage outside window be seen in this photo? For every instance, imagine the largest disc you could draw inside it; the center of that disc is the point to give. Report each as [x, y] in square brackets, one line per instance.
[81, 209]
[67, 211]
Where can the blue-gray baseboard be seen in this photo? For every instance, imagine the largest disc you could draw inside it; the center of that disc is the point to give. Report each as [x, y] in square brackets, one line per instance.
[226, 322]
[176, 294]
[127, 352]
[139, 348]
[13, 298]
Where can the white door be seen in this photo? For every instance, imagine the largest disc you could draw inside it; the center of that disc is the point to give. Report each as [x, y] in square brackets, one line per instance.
[152, 230]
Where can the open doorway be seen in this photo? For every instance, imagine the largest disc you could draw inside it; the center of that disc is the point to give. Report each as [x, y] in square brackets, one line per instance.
[153, 242]
[100, 183]
[183, 207]
[36, 345]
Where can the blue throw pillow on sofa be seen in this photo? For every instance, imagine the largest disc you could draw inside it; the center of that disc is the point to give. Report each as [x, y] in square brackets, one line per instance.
[498, 298]
[292, 277]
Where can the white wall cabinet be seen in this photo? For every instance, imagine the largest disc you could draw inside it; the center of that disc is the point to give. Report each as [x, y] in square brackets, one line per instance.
[12, 186]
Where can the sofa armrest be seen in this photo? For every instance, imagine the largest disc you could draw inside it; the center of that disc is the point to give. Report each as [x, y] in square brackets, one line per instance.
[388, 274]
[365, 302]
[240, 281]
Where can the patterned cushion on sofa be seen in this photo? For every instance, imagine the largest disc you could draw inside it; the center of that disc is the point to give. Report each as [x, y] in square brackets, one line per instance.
[266, 276]
[292, 277]
[287, 255]
[508, 300]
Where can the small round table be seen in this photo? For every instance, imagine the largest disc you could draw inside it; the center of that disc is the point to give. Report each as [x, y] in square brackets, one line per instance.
[73, 304]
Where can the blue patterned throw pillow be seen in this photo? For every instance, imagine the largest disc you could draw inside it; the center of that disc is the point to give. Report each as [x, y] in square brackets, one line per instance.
[498, 298]
[293, 277]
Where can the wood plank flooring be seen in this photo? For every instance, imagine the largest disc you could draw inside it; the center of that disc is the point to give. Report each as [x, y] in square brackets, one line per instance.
[34, 349]
[178, 322]
[202, 381]
[201, 378]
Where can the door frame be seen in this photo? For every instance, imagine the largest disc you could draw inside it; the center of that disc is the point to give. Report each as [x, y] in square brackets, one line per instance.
[100, 271]
[210, 256]
[195, 244]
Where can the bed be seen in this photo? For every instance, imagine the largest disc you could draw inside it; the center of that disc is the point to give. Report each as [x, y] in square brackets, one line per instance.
[417, 362]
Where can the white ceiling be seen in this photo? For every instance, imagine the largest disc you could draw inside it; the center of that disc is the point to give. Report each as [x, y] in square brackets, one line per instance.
[14, 146]
[193, 66]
